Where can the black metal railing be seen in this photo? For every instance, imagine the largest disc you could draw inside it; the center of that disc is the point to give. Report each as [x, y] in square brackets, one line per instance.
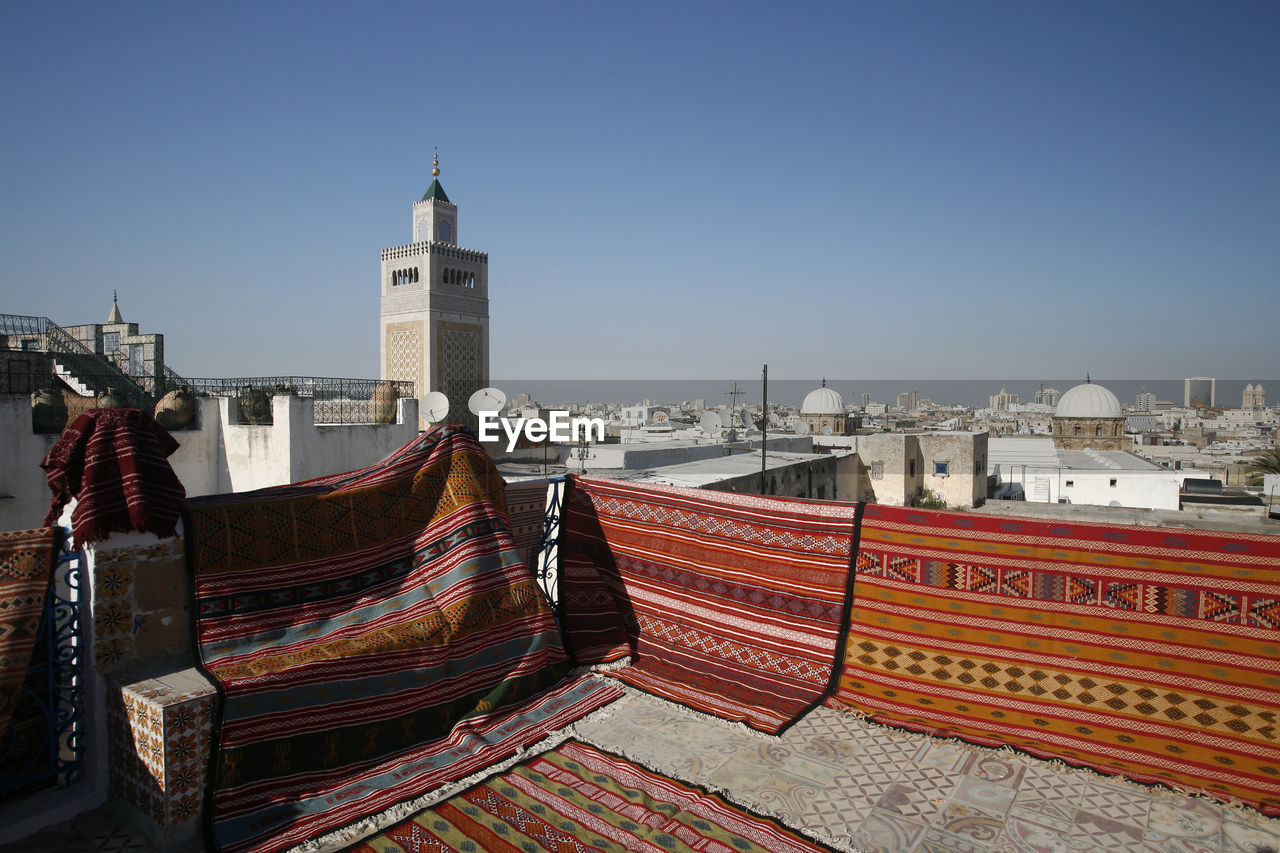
[547, 561]
[43, 745]
[337, 401]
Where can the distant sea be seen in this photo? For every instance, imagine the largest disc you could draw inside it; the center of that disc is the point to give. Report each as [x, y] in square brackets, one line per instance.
[790, 392]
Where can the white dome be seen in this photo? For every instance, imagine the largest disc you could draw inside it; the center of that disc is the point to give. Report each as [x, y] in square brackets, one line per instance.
[822, 401]
[1089, 401]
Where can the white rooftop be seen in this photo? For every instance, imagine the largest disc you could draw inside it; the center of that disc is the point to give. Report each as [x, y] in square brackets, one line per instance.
[1040, 453]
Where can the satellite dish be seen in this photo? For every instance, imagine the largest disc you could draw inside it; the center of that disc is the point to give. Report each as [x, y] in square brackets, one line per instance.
[487, 400]
[826, 429]
[435, 406]
[710, 423]
[802, 428]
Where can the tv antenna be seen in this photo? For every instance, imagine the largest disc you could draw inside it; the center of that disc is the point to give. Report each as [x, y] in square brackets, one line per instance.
[733, 395]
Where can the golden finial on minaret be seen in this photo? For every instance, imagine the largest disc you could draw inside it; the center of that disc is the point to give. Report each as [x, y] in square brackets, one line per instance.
[435, 163]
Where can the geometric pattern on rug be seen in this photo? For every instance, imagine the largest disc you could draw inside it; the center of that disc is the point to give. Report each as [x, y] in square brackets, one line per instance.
[372, 635]
[579, 797]
[26, 568]
[1147, 652]
[734, 605]
[527, 507]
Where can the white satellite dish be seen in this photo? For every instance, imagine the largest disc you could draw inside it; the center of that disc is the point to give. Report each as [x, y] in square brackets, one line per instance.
[826, 429]
[487, 400]
[435, 406]
[801, 428]
[710, 423]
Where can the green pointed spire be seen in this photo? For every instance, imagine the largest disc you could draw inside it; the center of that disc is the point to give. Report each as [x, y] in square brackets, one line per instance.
[435, 191]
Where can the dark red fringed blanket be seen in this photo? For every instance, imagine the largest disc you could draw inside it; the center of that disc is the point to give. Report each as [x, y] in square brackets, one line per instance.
[734, 605]
[114, 462]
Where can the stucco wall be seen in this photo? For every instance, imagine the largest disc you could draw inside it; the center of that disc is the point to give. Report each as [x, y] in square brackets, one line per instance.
[220, 456]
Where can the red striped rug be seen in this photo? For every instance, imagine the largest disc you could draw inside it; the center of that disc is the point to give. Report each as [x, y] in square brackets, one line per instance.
[734, 605]
[578, 797]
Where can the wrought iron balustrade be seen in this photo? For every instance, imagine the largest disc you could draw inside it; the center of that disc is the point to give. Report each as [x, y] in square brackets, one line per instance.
[337, 401]
[548, 561]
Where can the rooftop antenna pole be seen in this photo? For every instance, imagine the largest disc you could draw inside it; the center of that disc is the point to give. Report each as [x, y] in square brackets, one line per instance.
[733, 404]
[764, 428]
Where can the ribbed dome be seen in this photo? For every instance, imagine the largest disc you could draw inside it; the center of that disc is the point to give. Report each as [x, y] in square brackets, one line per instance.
[1089, 401]
[822, 401]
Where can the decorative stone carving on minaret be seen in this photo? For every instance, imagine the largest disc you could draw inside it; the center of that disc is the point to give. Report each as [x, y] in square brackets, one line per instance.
[435, 306]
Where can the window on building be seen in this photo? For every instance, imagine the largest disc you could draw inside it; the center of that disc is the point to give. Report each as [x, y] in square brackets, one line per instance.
[941, 469]
[444, 231]
[911, 468]
[1113, 483]
[30, 345]
[1097, 431]
[1070, 483]
[877, 470]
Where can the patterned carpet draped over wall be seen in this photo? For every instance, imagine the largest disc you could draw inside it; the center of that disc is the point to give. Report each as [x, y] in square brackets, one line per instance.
[1150, 652]
[373, 635]
[734, 605]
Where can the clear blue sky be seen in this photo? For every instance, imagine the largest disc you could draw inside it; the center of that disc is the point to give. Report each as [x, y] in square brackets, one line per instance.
[864, 190]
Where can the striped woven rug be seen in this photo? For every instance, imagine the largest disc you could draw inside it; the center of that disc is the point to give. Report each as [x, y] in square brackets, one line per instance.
[579, 797]
[1143, 651]
[734, 605]
[372, 635]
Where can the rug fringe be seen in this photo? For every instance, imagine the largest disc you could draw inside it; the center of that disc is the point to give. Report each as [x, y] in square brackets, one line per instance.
[657, 701]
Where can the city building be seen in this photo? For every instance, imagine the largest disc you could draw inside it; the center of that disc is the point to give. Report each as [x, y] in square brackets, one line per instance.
[1145, 401]
[1089, 416]
[1255, 397]
[1048, 396]
[1200, 392]
[434, 327]
[1002, 401]
[1040, 470]
[823, 411]
[908, 400]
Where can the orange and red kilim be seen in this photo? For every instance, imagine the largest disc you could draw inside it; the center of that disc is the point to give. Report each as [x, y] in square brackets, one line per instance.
[1148, 652]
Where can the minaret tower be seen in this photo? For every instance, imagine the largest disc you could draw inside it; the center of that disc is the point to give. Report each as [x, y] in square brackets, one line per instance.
[435, 306]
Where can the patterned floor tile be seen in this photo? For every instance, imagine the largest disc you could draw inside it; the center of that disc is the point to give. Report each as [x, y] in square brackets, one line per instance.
[974, 828]
[788, 758]
[1046, 782]
[945, 755]
[1022, 836]
[1188, 825]
[1051, 814]
[1240, 837]
[1123, 805]
[910, 801]
[990, 766]
[885, 832]
[936, 840]
[990, 799]
[776, 791]
[920, 792]
[826, 724]
[1106, 835]
[834, 812]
